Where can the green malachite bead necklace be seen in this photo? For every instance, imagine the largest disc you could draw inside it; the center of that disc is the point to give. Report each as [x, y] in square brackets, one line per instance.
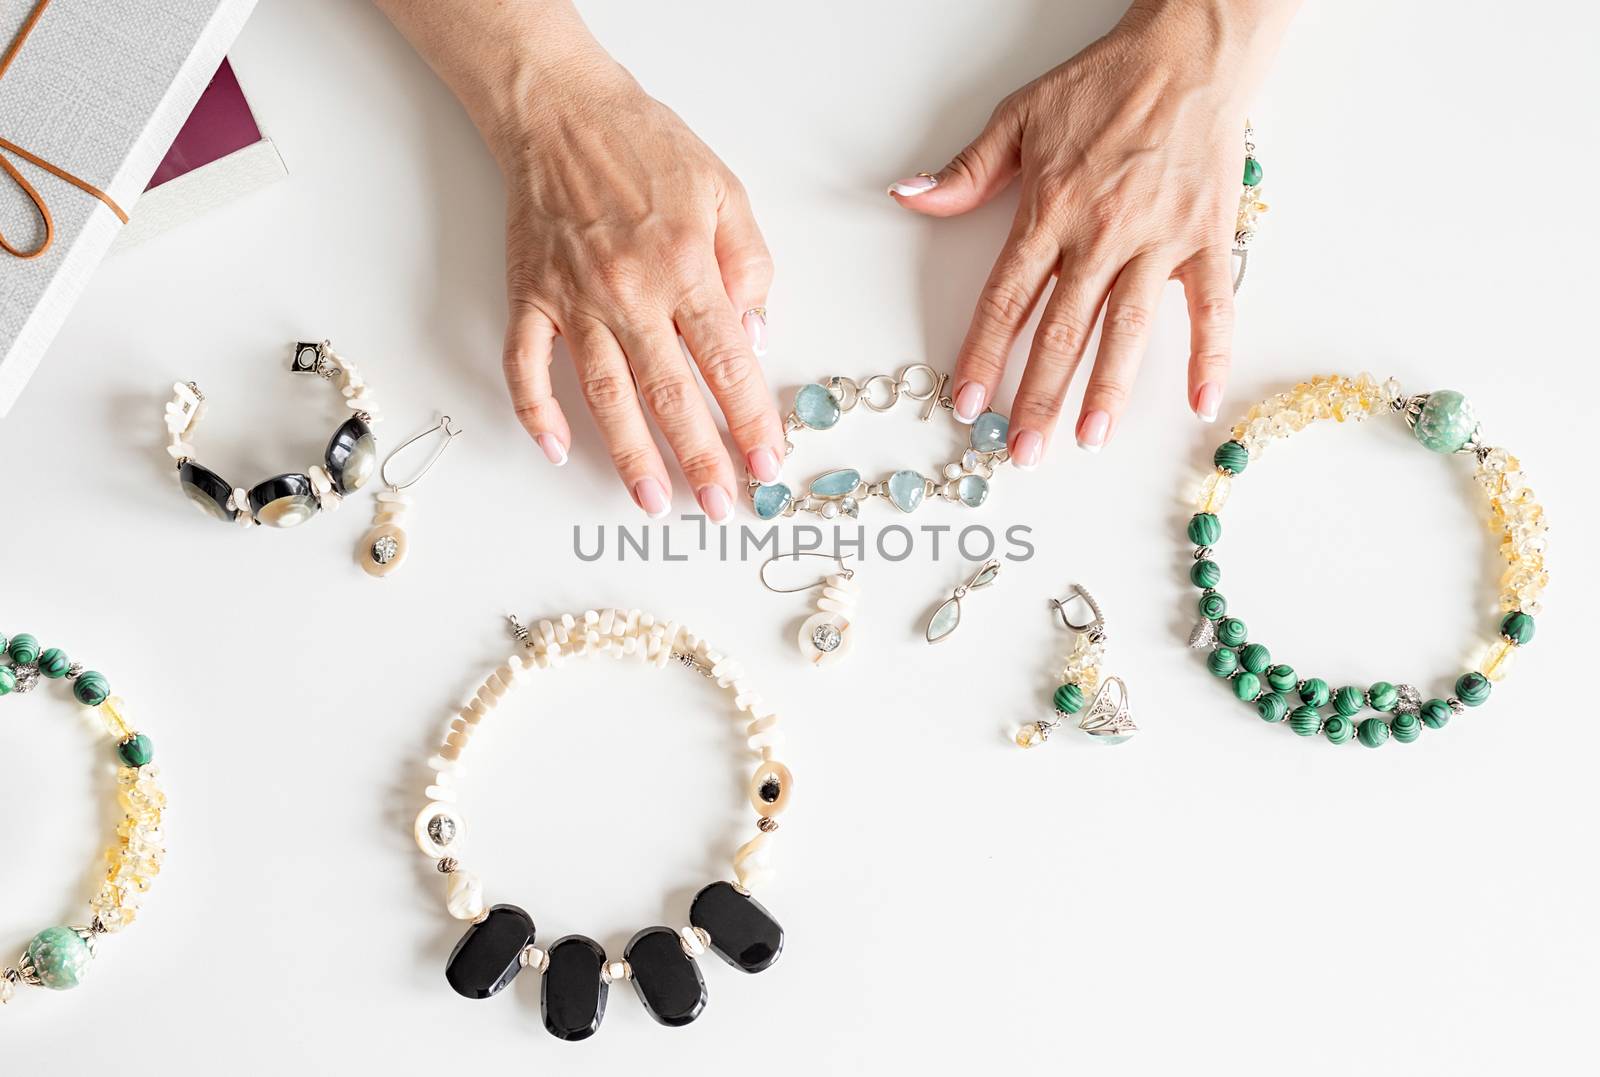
[840, 491]
[58, 957]
[1443, 421]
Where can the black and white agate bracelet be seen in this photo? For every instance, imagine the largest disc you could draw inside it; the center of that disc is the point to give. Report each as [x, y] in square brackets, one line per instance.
[292, 498]
[574, 970]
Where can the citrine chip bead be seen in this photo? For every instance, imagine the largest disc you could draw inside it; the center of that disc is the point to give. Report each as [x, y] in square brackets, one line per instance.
[1496, 665]
[115, 724]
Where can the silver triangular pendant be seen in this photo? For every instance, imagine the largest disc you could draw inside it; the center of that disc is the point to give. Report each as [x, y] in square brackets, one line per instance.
[1204, 634]
[1108, 718]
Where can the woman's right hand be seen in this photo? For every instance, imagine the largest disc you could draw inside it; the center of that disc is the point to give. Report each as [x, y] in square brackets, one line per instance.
[624, 232]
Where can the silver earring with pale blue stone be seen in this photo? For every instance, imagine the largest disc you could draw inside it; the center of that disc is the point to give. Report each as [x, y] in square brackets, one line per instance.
[826, 635]
[841, 491]
[947, 618]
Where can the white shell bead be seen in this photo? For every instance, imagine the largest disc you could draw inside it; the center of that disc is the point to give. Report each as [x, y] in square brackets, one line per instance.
[692, 943]
[393, 497]
[442, 794]
[464, 895]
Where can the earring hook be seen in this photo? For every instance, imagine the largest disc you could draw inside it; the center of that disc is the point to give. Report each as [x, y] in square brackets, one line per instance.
[846, 572]
[441, 427]
[1096, 626]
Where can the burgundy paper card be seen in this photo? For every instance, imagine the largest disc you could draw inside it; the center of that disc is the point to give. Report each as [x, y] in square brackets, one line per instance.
[220, 124]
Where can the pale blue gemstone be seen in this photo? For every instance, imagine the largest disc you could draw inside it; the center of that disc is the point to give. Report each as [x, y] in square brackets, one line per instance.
[836, 483]
[816, 407]
[907, 489]
[1448, 421]
[973, 490]
[944, 620]
[989, 432]
[771, 500]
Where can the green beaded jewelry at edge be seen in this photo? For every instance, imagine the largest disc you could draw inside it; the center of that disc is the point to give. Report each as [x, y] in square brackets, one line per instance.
[29, 661]
[1275, 690]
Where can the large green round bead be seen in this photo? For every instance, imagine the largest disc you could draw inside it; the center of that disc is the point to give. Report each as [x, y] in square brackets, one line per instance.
[1436, 714]
[1252, 172]
[2, 642]
[1212, 606]
[1448, 422]
[1338, 728]
[1232, 632]
[1255, 657]
[54, 663]
[1315, 692]
[136, 751]
[24, 649]
[1473, 689]
[1383, 696]
[1223, 662]
[1373, 732]
[91, 688]
[1517, 627]
[8, 681]
[1405, 727]
[1231, 457]
[59, 956]
[1205, 574]
[1272, 707]
[1282, 678]
[1068, 699]
[1205, 529]
[1305, 721]
[1247, 686]
[1349, 700]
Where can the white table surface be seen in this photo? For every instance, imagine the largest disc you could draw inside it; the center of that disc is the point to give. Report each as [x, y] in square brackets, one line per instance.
[1214, 897]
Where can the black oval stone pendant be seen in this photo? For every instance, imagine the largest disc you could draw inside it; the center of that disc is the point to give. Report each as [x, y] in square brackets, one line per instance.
[283, 500]
[489, 955]
[743, 933]
[206, 489]
[572, 994]
[352, 455]
[667, 980]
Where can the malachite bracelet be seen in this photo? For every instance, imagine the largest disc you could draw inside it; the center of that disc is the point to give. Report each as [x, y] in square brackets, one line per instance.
[574, 974]
[58, 957]
[1443, 421]
[840, 491]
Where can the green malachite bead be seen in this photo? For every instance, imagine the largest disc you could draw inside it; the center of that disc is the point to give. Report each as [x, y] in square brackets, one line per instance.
[54, 662]
[1252, 172]
[2, 642]
[1473, 689]
[1232, 632]
[1517, 627]
[1255, 657]
[1338, 729]
[1205, 529]
[1436, 714]
[1223, 662]
[1348, 701]
[1068, 699]
[1272, 707]
[1383, 696]
[1305, 721]
[1247, 686]
[1405, 727]
[1281, 678]
[59, 957]
[8, 681]
[1448, 422]
[1373, 732]
[91, 688]
[1205, 574]
[1231, 457]
[24, 649]
[136, 751]
[1315, 692]
[1213, 607]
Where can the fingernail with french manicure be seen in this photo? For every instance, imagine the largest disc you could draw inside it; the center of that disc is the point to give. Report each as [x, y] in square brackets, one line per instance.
[717, 504]
[652, 498]
[921, 183]
[554, 451]
[763, 464]
[969, 402]
[1027, 450]
[1207, 400]
[1092, 431]
[755, 327]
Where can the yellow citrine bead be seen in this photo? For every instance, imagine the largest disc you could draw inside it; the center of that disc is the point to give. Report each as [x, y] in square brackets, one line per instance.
[1497, 663]
[116, 725]
[1029, 736]
[1214, 492]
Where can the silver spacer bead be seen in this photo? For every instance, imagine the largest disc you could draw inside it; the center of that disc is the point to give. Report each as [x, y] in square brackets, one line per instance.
[447, 864]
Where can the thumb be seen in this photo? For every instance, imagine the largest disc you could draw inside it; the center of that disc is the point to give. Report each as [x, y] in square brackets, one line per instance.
[976, 175]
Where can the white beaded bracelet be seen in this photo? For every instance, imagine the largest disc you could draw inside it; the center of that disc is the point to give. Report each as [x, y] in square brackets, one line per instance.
[659, 961]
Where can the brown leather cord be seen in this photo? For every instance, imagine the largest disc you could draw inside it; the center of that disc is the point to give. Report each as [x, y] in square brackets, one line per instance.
[16, 175]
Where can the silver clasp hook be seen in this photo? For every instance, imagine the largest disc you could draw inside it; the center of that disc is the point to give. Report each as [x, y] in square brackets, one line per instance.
[443, 426]
[1096, 627]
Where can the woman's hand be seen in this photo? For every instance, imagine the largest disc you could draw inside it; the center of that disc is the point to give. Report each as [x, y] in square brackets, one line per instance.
[1131, 157]
[624, 232]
